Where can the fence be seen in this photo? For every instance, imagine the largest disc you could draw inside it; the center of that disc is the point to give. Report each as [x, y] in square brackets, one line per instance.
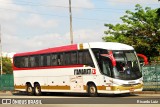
[6, 82]
[151, 77]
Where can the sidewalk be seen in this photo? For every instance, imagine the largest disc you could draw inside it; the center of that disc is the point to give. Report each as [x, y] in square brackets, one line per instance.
[6, 93]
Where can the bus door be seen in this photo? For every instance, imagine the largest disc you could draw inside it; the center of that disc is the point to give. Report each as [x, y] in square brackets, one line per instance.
[76, 83]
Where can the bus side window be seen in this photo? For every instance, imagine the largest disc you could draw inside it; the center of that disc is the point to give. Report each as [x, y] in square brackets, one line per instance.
[80, 57]
[61, 59]
[54, 59]
[106, 66]
[37, 58]
[41, 60]
[26, 62]
[88, 59]
[32, 61]
[84, 58]
[17, 62]
[45, 60]
[74, 57]
[67, 58]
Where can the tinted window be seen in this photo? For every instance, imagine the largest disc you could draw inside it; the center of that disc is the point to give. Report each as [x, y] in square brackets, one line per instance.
[68, 58]
[61, 59]
[98, 52]
[34, 61]
[25, 62]
[45, 60]
[21, 62]
[54, 59]
[71, 58]
[74, 57]
[17, 61]
[84, 57]
[80, 57]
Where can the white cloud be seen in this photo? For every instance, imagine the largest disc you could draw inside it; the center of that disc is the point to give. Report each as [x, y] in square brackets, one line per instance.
[75, 3]
[88, 35]
[9, 16]
[128, 2]
[46, 41]
[36, 21]
[82, 3]
[9, 10]
[62, 5]
[15, 22]
[17, 44]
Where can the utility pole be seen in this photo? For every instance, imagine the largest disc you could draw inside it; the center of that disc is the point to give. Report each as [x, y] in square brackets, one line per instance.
[71, 32]
[1, 49]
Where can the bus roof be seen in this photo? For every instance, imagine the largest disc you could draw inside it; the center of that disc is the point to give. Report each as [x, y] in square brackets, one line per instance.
[50, 50]
[102, 45]
[110, 46]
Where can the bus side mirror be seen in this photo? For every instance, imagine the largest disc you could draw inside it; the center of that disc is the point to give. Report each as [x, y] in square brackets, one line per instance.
[142, 59]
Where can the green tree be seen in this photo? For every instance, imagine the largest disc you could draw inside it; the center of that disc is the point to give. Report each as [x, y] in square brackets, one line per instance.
[7, 65]
[140, 28]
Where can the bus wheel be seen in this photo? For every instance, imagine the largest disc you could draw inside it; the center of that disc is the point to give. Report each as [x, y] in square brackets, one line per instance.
[30, 89]
[92, 90]
[37, 89]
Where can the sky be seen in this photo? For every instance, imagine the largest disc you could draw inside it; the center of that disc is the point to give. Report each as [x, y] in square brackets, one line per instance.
[29, 25]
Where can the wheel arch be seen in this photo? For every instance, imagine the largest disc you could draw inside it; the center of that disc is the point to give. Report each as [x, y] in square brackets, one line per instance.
[32, 84]
[88, 83]
[92, 89]
[28, 83]
[36, 83]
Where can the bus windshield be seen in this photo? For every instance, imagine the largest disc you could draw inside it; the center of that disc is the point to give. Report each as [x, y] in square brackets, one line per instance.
[127, 65]
[119, 64]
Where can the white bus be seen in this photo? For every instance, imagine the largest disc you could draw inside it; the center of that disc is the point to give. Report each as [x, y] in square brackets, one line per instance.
[98, 67]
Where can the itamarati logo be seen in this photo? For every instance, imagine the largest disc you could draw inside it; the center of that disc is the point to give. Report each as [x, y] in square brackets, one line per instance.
[84, 71]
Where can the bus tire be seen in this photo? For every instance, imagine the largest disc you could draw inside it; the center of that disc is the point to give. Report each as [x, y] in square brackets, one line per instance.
[37, 89]
[29, 90]
[92, 90]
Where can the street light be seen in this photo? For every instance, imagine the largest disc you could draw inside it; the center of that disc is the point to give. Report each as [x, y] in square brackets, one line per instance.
[1, 50]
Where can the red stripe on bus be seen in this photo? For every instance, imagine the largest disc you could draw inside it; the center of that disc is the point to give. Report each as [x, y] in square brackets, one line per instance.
[48, 67]
[50, 50]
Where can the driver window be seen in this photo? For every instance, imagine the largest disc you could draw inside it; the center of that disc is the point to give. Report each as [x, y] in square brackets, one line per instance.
[106, 66]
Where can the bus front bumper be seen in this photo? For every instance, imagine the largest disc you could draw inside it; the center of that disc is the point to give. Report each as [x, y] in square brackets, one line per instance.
[122, 89]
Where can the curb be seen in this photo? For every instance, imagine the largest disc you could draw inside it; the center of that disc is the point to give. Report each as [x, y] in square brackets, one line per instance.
[148, 92]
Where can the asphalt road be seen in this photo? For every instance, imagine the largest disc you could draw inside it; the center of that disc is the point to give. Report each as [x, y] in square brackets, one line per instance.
[61, 99]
